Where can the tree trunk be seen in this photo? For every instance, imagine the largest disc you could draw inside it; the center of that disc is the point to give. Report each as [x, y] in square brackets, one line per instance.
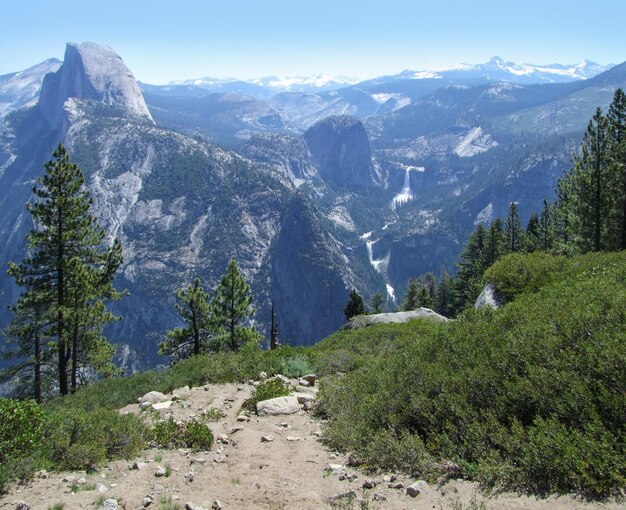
[37, 383]
[74, 355]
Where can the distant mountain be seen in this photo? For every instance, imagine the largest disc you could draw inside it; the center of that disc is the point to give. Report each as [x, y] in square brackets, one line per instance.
[22, 89]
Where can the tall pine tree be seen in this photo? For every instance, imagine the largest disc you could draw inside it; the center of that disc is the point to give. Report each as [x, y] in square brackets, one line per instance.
[617, 130]
[68, 268]
[194, 337]
[231, 307]
[355, 305]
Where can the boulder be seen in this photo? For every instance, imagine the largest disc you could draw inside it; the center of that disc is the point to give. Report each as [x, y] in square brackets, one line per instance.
[153, 397]
[304, 397]
[489, 297]
[109, 504]
[162, 405]
[278, 406]
[362, 321]
[415, 489]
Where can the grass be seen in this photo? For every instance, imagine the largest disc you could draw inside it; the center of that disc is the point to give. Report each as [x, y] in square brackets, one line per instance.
[57, 506]
[166, 503]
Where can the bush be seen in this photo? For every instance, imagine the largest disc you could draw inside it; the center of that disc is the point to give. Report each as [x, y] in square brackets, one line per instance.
[529, 397]
[264, 391]
[77, 439]
[21, 436]
[295, 367]
[194, 435]
[515, 273]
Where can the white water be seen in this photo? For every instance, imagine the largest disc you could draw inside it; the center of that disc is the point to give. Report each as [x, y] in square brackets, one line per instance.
[380, 265]
[406, 193]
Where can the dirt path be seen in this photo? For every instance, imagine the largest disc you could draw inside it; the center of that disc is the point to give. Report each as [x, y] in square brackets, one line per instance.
[242, 472]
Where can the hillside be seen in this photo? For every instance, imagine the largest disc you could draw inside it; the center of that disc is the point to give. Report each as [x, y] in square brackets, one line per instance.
[529, 398]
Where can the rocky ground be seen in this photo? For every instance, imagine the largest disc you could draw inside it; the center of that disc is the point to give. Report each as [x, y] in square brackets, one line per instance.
[265, 462]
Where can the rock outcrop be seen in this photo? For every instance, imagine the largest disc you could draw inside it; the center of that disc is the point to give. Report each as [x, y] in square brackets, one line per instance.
[362, 321]
[90, 71]
[341, 151]
[489, 297]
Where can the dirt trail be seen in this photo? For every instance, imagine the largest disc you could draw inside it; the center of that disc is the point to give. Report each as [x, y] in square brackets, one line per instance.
[290, 472]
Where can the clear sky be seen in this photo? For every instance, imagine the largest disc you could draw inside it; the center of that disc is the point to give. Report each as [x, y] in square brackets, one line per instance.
[171, 40]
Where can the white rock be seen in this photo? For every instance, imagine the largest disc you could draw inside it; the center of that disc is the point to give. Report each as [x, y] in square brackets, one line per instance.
[146, 502]
[277, 406]
[310, 378]
[109, 504]
[293, 438]
[198, 460]
[415, 489]
[153, 397]
[162, 405]
[267, 439]
[160, 471]
[335, 469]
[304, 382]
[263, 375]
[217, 505]
[101, 488]
[304, 397]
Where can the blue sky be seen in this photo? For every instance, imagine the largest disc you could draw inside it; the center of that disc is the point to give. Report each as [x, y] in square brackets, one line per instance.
[162, 41]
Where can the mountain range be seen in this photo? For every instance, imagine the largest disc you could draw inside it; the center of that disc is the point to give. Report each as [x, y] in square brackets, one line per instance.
[314, 191]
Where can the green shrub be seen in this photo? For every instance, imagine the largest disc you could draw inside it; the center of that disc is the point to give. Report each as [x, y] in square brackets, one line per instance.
[515, 273]
[191, 434]
[295, 367]
[77, 439]
[531, 396]
[21, 437]
[264, 391]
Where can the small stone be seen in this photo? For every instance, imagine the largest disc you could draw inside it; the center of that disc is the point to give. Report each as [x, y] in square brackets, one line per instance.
[162, 405]
[234, 430]
[223, 438]
[307, 406]
[189, 506]
[267, 439]
[263, 375]
[109, 504]
[101, 488]
[415, 489]
[69, 479]
[379, 497]
[81, 481]
[310, 378]
[353, 461]
[198, 460]
[304, 382]
[160, 471]
[219, 459]
[42, 474]
[283, 379]
[317, 433]
[189, 476]
[352, 477]
[293, 438]
[145, 502]
[370, 484]
[217, 505]
[22, 505]
[396, 485]
[335, 469]
[284, 424]
[243, 417]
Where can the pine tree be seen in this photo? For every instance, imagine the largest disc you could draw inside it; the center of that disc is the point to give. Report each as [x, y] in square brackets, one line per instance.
[617, 129]
[533, 233]
[194, 338]
[588, 186]
[444, 297]
[496, 243]
[429, 282]
[231, 306]
[355, 305]
[377, 302]
[412, 295]
[68, 267]
[513, 230]
[424, 299]
[471, 266]
[274, 330]
[546, 227]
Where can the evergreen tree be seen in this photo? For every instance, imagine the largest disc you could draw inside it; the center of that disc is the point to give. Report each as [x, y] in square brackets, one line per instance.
[617, 127]
[513, 230]
[274, 330]
[533, 233]
[471, 266]
[377, 301]
[588, 186]
[444, 298]
[546, 227]
[412, 295]
[68, 267]
[194, 338]
[27, 336]
[496, 243]
[429, 282]
[355, 305]
[231, 306]
[424, 299]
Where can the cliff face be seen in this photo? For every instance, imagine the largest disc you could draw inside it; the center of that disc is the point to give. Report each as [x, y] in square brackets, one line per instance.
[95, 72]
[341, 151]
[308, 275]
